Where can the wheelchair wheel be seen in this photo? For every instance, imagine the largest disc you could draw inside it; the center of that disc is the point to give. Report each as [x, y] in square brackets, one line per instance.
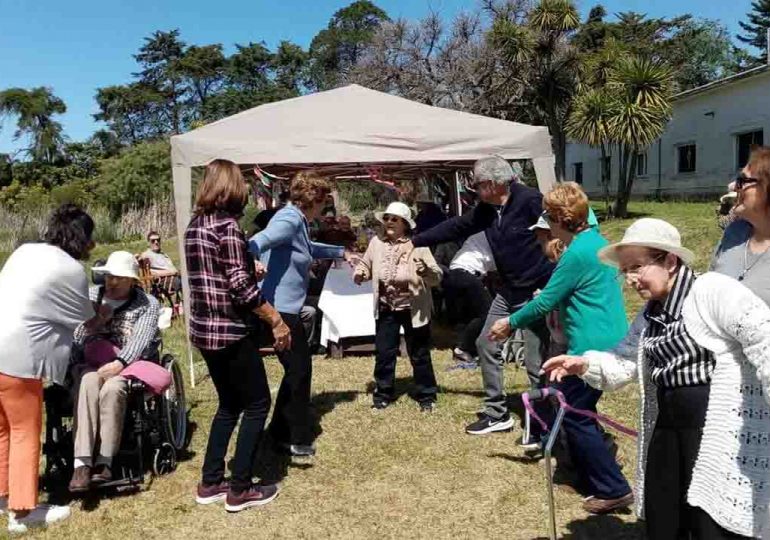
[174, 406]
[164, 459]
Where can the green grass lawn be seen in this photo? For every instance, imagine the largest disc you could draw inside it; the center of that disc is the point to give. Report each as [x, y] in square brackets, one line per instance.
[388, 474]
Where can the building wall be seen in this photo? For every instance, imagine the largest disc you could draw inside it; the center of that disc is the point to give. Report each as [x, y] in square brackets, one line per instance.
[712, 120]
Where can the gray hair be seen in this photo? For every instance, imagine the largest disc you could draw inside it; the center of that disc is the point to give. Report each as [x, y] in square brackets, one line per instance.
[495, 169]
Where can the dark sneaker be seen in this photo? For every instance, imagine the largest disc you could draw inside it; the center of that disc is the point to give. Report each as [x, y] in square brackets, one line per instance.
[213, 493]
[298, 450]
[81, 480]
[102, 475]
[254, 496]
[486, 424]
[427, 406]
[460, 355]
[532, 445]
[594, 505]
[380, 404]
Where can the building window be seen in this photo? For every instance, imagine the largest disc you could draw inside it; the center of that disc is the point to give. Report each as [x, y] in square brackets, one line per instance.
[686, 158]
[745, 142]
[641, 164]
[578, 172]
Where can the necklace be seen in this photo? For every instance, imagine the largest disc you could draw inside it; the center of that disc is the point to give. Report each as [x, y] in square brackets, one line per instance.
[746, 265]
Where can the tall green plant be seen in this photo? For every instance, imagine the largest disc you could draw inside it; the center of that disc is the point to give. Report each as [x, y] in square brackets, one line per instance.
[34, 110]
[628, 110]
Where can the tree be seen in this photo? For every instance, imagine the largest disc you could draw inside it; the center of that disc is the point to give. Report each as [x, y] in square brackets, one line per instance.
[132, 111]
[159, 59]
[34, 110]
[756, 28]
[629, 112]
[539, 58]
[289, 64]
[336, 49]
[202, 73]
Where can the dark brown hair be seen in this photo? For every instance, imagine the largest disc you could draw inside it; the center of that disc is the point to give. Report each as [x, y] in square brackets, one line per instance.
[308, 188]
[223, 189]
[567, 204]
[70, 229]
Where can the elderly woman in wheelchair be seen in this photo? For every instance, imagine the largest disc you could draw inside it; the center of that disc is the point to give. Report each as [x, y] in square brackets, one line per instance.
[126, 331]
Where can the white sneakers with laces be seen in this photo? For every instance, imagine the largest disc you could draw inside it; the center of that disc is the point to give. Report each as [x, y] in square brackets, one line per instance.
[42, 515]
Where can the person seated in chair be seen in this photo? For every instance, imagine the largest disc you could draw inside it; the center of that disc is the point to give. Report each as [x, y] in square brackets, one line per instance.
[161, 265]
[126, 330]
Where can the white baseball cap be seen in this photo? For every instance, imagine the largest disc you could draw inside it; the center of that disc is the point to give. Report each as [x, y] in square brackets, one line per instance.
[120, 264]
[398, 209]
[652, 233]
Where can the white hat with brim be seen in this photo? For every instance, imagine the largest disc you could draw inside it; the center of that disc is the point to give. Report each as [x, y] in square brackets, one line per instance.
[650, 233]
[542, 223]
[398, 209]
[119, 264]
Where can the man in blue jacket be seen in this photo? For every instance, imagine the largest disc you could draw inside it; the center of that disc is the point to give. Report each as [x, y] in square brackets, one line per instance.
[505, 213]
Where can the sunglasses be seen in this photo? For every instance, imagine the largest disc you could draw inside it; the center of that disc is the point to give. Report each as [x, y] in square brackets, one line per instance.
[389, 218]
[155, 240]
[742, 181]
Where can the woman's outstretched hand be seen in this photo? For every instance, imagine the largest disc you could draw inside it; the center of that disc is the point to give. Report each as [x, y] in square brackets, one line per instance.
[563, 365]
[501, 330]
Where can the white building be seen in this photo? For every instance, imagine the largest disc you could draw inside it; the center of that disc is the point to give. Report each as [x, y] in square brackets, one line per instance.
[705, 144]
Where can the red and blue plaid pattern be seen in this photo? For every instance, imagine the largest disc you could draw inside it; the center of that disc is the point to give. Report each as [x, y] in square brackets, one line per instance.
[223, 286]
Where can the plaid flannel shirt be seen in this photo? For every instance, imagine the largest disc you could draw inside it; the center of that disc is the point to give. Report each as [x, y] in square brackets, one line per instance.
[133, 327]
[223, 286]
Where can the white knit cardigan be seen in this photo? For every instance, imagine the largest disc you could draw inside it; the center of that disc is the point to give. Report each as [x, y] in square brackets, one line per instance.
[731, 478]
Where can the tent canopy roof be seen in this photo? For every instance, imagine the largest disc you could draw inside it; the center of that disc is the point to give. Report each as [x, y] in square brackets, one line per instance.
[346, 129]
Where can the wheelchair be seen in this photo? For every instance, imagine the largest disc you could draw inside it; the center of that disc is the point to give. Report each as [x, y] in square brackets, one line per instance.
[155, 432]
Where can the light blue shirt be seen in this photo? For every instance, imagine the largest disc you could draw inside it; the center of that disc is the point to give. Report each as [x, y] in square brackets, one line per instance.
[284, 246]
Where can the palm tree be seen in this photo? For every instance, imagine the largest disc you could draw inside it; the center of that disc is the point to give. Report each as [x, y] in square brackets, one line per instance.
[628, 108]
[539, 59]
[34, 110]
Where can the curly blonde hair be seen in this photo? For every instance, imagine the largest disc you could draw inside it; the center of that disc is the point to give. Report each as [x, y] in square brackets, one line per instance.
[567, 205]
[308, 188]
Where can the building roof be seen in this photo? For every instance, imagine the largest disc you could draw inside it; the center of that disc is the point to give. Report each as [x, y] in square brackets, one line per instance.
[753, 72]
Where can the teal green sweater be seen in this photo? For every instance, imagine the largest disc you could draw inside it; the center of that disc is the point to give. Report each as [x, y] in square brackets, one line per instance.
[586, 293]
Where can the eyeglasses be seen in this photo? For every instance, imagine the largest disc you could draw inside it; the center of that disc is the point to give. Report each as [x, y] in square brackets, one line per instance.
[637, 270]
[743, 181]
[154, 240]
[389, 218]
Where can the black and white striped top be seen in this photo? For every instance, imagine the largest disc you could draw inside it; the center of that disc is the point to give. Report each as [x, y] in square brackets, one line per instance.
[675, 359]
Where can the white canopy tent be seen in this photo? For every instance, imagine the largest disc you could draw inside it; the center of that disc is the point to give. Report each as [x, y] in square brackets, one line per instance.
[347, 130]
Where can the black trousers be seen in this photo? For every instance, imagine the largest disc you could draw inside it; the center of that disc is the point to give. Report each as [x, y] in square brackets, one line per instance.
[470, 301]
[670, 460]
[239, 377]
[386, 342]
[292, 420]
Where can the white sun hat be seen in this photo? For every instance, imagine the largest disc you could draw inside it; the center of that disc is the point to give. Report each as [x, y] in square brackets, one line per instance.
[398, 209]
[542, 223]
[120, 264]
[652, 233]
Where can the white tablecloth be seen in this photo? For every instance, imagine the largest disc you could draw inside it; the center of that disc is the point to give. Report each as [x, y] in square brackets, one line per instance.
[347, 308]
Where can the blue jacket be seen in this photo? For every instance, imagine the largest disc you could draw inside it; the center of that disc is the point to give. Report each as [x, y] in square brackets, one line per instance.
[287, 251]
[518, 256]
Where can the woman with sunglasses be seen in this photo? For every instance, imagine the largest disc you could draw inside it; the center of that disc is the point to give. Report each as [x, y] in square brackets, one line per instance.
[590, 302]
[286, 253]
[401, 277]
[744, 251]
[700, 350]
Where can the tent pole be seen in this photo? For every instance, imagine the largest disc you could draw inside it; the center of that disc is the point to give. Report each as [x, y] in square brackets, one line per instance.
[456, 202]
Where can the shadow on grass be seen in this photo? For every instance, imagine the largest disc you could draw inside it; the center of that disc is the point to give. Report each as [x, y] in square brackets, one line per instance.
[272, 464]
[606, 527]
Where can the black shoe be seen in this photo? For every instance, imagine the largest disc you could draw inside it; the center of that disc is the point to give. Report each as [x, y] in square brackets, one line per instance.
[380, 404]
[427, 406]
[462, 356]
[298, 450]
[487, 424]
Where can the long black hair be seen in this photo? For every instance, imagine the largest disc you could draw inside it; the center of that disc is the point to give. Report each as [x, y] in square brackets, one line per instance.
[70, 229]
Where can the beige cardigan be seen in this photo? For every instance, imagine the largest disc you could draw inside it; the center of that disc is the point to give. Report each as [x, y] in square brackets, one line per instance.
[419, 286]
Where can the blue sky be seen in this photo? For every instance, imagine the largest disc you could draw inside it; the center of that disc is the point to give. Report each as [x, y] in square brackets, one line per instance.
[76, 46]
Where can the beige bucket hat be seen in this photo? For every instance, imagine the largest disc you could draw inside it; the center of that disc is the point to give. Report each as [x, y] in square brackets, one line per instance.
[652, 233]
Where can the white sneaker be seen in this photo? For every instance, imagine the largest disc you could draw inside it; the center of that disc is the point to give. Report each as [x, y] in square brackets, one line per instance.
[43, 515]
